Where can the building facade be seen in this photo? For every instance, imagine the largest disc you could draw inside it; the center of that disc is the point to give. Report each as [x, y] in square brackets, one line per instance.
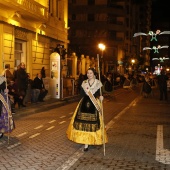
[113, 23]
[30, 30]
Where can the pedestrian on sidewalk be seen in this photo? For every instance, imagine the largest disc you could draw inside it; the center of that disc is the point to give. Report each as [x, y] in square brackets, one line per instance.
[43, 72]
[7, 73]
[86, 125]
[146, 87]
[39, 84]
[162, 83]
[22, 82]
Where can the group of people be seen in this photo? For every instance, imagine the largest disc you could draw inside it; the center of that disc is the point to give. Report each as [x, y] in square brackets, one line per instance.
[13, 89]
[18, 84]
[87, 123]
[150, 83]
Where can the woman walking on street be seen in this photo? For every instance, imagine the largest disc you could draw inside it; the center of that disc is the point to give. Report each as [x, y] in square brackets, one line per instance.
[86, 125]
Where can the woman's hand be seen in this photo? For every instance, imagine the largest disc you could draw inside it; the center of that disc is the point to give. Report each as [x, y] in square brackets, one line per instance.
[87, 92]
[101, 98]
[6, 90]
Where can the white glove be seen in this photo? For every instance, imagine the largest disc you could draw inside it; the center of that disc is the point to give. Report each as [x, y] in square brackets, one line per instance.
[87, 91]
[101, 98]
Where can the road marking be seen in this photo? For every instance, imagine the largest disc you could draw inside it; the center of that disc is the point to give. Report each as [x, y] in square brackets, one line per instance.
[50, 128]
[22, 134]
[71, 160]
[126, 108]
[38, 127]
[14, 145]
[62, 122]
[62, 117]
[33, 136]
[110, 124]
[2, 142]
[162, 155]
[52, 121]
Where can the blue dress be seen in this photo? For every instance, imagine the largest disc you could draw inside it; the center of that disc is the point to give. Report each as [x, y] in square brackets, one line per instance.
[6, 120]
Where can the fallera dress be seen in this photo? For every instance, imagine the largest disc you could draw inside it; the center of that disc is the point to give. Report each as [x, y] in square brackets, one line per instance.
[6, 119]
[86, 125]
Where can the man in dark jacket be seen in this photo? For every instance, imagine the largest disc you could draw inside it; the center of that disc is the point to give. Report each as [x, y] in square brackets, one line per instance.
[162, 82]
[38, 84]
[22, 81]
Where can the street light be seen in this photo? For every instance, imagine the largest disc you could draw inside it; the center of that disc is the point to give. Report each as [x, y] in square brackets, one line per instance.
[133, 61]
[102, 48]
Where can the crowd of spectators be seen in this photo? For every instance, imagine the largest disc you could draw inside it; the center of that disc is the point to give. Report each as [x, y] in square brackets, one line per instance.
[20, 85]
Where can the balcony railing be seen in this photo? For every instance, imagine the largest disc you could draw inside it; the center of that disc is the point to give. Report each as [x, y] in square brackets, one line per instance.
[30, 6]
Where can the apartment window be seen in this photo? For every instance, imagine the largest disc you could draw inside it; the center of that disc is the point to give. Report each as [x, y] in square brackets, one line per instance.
[127, 9]
[91, 2]
[73, 33]
[127, 22]
[18, 52]
[50, 6]
[91, 17]
[112, 34]
[111, 3]
[73, 1]
[73, 17]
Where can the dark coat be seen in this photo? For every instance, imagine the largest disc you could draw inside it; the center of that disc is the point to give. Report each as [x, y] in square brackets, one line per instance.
[38, 83]
[43, 72]
[162, 81]
[22, 79]
[146, 87]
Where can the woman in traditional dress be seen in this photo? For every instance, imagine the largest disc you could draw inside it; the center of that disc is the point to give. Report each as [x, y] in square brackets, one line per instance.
[6, 121]
[86, 125]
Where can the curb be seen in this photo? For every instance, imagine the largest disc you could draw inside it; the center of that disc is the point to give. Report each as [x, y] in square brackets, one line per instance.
[45, 106]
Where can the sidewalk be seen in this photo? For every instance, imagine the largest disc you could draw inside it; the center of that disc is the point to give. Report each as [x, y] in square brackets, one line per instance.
[139, 139]
[48, 104]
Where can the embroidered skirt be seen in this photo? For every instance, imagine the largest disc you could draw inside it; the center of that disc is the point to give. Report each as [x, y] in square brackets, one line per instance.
[86, 125]
[6, 120]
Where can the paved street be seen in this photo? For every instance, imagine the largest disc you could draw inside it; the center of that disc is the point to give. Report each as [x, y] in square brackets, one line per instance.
[138, 131]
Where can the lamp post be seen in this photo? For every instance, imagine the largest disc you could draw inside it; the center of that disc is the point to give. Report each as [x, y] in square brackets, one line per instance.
[102, 48]
[133, 61]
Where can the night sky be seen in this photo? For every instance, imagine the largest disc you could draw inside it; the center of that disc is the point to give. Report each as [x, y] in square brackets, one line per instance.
[160, 10]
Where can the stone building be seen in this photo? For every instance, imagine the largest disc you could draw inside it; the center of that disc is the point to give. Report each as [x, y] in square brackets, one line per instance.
[113, 23]
[29, 32]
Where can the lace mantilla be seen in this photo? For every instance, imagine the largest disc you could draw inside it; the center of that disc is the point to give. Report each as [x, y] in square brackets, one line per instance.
[96, 85]
[2, 79]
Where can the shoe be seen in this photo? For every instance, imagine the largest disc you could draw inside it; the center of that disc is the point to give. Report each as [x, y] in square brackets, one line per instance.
[23, 105]
[86, 149]
[1, 135]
